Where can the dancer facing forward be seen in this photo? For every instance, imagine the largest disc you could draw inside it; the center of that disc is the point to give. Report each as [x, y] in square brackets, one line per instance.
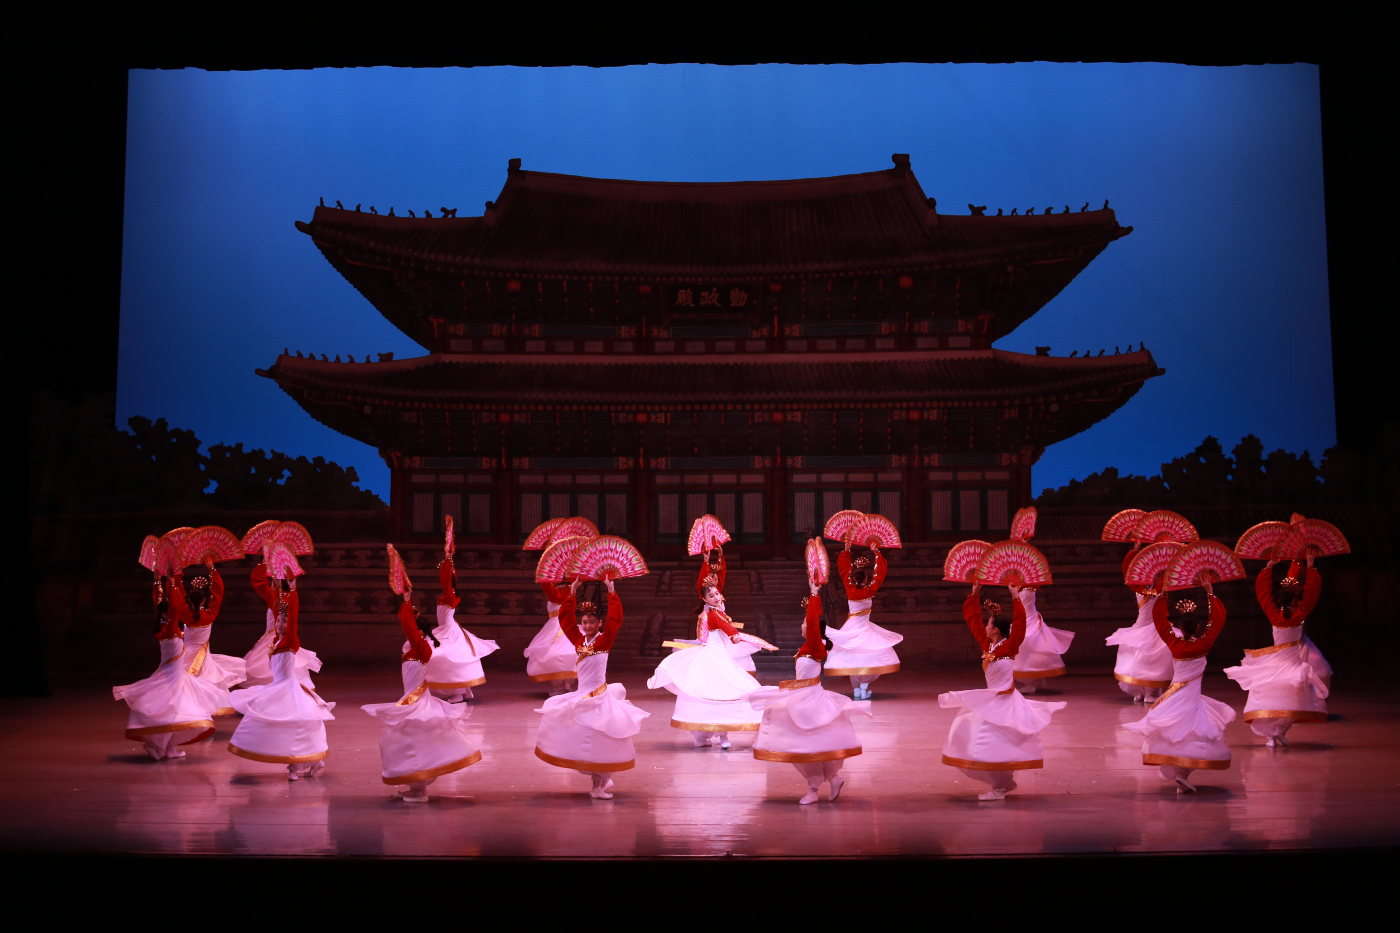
[551, 656]
[714, 571]
[590, 729]
[455, 667]
[258, 662]
[997, 732]
[1290, 681]
[171, 707]
[1143, 668]
[204, 596]
[1185, 730]
[284, 722]
[424, 737]
[1039, 657]
[804, 724]
[861, 649]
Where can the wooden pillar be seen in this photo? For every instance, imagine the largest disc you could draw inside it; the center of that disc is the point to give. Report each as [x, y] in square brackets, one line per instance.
[505, 503]
[915, 508]
[779, 521]
[643, 521]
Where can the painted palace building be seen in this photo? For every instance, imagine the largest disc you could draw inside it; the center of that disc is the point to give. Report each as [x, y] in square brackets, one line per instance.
[770, 352]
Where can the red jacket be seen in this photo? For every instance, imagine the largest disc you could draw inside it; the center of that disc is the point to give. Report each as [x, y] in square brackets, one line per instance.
[813, 647]
[210, 612]
[289, 640]
[262, 585]
[553, 593]
[569, 624]
[705, 572]
[1008, 646]
[178, 610]
[843, 564]
[1184, 649]
[449, 595]
[1264, 589]
[419, 649]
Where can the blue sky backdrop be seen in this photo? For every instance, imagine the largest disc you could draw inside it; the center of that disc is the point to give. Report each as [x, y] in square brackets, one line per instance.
[1219, 170]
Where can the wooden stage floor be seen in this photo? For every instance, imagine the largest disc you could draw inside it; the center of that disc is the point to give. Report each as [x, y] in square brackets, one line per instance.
[72, 784]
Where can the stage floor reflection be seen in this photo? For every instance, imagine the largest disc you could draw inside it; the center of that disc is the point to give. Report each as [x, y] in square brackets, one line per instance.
[71, 783]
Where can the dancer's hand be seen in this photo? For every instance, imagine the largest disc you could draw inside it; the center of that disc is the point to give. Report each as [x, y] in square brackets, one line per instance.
[1271, 563]
[610, 584]
[976, 588]
[1310, 560]
[573, 587]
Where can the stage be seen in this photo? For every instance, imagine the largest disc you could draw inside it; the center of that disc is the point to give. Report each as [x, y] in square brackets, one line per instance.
[72, 784]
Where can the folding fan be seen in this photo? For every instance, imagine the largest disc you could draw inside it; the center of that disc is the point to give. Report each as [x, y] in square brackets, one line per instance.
[279, 559]
[1202, 562]
[607, 558]
[167, 558]
[449, 543]
[706, 533]
[539, 539]
[295, 536]
[1312, 537]
[818, 564]
[874, 531]
[256, 536]
[206, 540]
[1261, 542]
[1118, 527]
[1013, 563]
[1149, 564]
[1023, 525]
[398, 574]
[960, 566]
[838, 525]
[176, 535]
[1164, 525]
[553, 566]
[575, 527]
[148, 552]
[1295, 518]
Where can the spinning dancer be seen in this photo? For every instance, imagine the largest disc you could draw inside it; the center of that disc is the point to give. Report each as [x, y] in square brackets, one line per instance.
[590, 729]
[171, 707]
[456, 666]
[1144, 665]
[552, 658]
[861, 649]
[284, 722]
[713, 573]
[424, 737]
[1039, 655]
[1289, 682]
[258, 661]
[709, 686]
[997, 732]
[804, 724]
[204, 596]
[1185, 730]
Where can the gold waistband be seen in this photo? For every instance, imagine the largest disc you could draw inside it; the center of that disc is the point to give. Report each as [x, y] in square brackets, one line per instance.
[1260, 652]
[198, 661]
[408, 699]
[1177, 685]
[798, 684]
[554, 615]
[1002, 693]
[854, 615]
[598, 691]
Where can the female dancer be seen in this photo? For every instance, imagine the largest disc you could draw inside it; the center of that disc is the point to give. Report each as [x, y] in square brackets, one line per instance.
[804, 724]
[1289, 682]
[997, 733]
[709, 687]
[1039, 655]
[423, 738]
[204, 596]
[713, 573]
[455, 667]
[551, 656]
[258, 662]
[590, 729]
[284, 722]
[861, 649]
[1184, 730]
[171, 707]
[1144, 665]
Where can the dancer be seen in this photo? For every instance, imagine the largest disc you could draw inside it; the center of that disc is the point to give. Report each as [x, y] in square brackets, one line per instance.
[171, 707]
[455, 667]
[1290, 681]
[552, 658]
[860, 649]
[709, 687]
[1184, 730]
[1143, 668]
[284, 722]
[424, 737]
[204, 596]
[1039, 657]
[997, 731]
[590, 729]
[714, 571]
[257, 663]
[803, 723]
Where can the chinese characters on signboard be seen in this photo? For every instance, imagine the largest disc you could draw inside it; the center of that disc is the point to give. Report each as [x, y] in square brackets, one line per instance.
[714, 297]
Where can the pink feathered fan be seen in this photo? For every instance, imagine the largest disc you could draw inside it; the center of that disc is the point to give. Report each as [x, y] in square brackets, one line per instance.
[210, 539]
[295, 536]
[1202, 562]
[1121, 525]
[398, 573]
[838, 526]
[706, 533]
[607, 558]
[177, 535]
[1312, 537]
[874, 531]
[256, 537]
[960, 566]
[576, 527]
[818, 563]
[279, 559]
[148, 552]
[1149, 565]
[167, 558]
[1023, 525]
[539, 539]
[1164, 525]
[1014, 563]
[1261, 541]
[553, 566]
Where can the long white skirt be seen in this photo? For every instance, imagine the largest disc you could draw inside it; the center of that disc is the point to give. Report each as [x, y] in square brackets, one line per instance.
[997, 728]
[807, 724]
[257, 664]
[456, 660]
[1285, 684]
[709, 688]
[171, 700]
[860, 647]
[423, 737]
[1040, 653]
[1144, 661]
[591, 728]
[1185, 728]
[222, 670]
[283, 722]
[550, 655]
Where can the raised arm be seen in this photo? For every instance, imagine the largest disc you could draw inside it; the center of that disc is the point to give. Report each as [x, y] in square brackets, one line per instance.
[1264, 592]
[216, 596]
[568, 623]
[1012, 645]
[612, 623]
[418, 647]
[972, 615]
[553, 593]
[814, 647]
[262, 587]
[289, 640]
[449, 595]
[1312, 589]
[720, 575]
[1217, 623]
[179, 609]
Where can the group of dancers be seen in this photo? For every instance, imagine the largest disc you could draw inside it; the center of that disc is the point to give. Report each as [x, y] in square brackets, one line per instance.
[587, 724]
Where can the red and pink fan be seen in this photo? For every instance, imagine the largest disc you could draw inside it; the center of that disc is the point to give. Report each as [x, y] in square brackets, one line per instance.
[279, 558]
[960, 566]
[875, 531]
[553, 566]
[1312, 537]
[1013, 563]
[256, 537]
[206, 540]
[1164, 525]
[1202, 562]
[1121, 525]
[706, 534]
[167, 558]
[449, 543]
[576, 527]
[1146, 569]
[148, 552]
[295, 536]
[176, 535]
[838, 526]
[398, 573]
[818, 563]
[1023, 525]
[607, 558]
[1295, 518]
[1261, 542]
[539, 539]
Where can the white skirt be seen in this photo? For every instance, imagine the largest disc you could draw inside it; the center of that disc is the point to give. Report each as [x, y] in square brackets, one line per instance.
[997, 729]
[1185, 728]
[805, 725]
[1144, 660]
[1283, 685]
[423, 737]
[860, 647]
[550, 655]
[1040, 654]
[257, 662]
[456, 660]
[221, 670]
[709, 688]
[171, 699]
[591, 728]
[283, 722]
